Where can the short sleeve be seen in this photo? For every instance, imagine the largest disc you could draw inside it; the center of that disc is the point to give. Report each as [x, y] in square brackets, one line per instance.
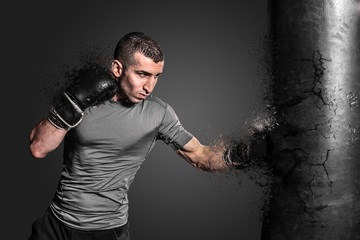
[171, 131]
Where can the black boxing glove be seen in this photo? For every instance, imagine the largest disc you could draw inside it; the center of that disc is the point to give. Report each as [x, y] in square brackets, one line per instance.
[89, 89]
[250, 152]
[236, 155]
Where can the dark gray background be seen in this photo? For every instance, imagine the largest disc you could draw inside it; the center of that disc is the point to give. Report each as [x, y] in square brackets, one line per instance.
[214, 79]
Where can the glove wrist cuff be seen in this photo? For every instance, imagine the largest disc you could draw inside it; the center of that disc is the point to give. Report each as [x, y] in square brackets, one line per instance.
[57, 115]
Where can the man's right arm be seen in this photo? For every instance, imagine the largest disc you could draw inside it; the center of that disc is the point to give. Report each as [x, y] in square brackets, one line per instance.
[91, 88]
[44, 138]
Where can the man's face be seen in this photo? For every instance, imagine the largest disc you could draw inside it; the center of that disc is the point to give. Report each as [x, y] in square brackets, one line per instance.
[139, 79]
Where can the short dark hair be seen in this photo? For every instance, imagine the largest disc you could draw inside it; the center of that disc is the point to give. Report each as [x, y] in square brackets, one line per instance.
[137, 42]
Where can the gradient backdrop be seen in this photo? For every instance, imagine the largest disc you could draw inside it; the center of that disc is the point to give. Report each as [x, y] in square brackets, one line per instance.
[215, 79]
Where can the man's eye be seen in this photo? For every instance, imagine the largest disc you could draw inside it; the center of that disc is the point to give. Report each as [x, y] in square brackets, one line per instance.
[141, 74]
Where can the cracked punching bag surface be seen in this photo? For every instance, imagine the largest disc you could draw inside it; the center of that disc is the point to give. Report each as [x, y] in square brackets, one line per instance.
[316, 148]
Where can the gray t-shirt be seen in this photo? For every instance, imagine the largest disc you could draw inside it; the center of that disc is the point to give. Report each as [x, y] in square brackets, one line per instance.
[102, 155]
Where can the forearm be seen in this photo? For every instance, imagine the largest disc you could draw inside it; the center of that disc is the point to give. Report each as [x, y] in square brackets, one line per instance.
[44, 138]
[203, 157]
[233, 155]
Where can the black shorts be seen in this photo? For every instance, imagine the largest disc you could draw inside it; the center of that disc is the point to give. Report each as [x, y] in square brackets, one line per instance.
[48, 227]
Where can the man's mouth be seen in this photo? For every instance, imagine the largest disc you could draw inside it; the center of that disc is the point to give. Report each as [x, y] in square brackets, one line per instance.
[142, 96]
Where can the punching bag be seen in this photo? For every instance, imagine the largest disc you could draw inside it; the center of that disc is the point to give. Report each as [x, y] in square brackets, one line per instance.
[315, 151]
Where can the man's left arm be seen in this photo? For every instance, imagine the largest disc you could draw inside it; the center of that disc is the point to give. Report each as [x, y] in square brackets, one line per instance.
[237, 154]
[203, 157]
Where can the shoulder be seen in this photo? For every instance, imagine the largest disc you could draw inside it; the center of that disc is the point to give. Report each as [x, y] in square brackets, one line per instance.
[154, 105]
[155, 102]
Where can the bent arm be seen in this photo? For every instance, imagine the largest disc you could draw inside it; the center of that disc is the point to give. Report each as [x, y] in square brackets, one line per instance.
[44, 138]
[203, 157]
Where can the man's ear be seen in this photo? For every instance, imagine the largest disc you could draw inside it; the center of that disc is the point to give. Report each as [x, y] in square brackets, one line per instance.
[116, 68]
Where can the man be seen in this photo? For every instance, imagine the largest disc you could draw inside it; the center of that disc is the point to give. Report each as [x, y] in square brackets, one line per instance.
[109, 125]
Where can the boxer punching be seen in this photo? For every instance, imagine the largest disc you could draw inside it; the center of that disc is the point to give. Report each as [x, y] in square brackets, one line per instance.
[109, 123]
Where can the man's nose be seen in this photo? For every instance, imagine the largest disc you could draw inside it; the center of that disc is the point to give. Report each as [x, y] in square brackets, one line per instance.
[150, 84]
